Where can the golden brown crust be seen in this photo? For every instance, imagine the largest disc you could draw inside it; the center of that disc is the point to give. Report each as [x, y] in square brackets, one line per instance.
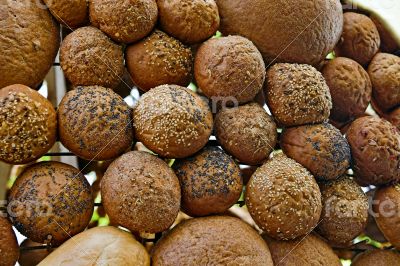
[247, 132]
[320, 148]
[71, 13]
[190, 21]
[124, 21]
[360, 39]
[180, 121]
[230, 67]
[283, 30]
[61, 200]
[88, 57]
[29, 41]
[297, 94]
[210, 181]
[377, 257]
[9, 249]
[141, 193]
[283, 198]
[388, 43]
[217, 240]
[350, 88]
[375, 149]
[95, 123]
[29, 125]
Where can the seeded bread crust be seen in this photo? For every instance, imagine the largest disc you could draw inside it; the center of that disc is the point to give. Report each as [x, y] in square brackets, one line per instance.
[9, 249]
[71, 13]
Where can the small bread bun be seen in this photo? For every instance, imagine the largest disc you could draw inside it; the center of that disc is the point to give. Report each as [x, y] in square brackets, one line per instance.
[297, 94]
[9, 249]
[350, 88]
[181, 122]
[320, 148]
[29, 125]
[377, 257]
[345, 211]
[32, 257]
[88, 57]
[124, 21]
[360, 39]
[190, 21]
[158, 60]
[71, 13]
[50, 202]
[141, 193]
[388, 43]
[247, 132]
[229, 67]
[219, 240]
[375, 148]
[105, 245]
[283, 198]
[211, 182]
[95, 123]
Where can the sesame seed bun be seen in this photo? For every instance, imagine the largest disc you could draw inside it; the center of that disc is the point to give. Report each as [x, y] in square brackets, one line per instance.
[219, 240]
[181, 122]
[71, 13]
[377, 257]
[283, 198]
[9, 249]
[31, 127]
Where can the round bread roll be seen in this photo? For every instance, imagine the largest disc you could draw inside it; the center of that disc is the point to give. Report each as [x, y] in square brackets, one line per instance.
[285, 30]
[247, 132]
[220, 240]
[181, 122]
[375, 148]
[100, 246]
[50, 202]
[360, 39]
[71, 13]
[310, 250]
[297, 94]
[283, 198]
[384, 71]
[28, 125]
[377, 257]
[29, 42]
[386, 207]
[350, 88]
[32, 257]
[88, 57]
[345, 211]
[230, 67]
[135, 19]
[320, 148]
[95, 123]
[9, 249]
[190, 21]
[141, 193]
[210, 181]
[388, 43]
[158, 60]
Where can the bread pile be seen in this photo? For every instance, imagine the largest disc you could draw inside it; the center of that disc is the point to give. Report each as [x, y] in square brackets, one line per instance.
[255, 114]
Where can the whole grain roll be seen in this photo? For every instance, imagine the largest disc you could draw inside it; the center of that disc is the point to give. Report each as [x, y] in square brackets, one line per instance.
[71, 13]
[377, 257]
[141, 193]
[283, 198]
[50, 202]
[320, 148]
[159, 59]
[285, 30]
[217, 240]
[229, 67]
[9, 249]
[181, 122]
[210, 181]
[360, 39]
[345, 211]
[95, 123]
[375, 148]
[247, 132]
[384, 71]
[28, 125]
[29, 42]
[350, 88]
[135, 19]
[88, 57]
[297, 94]
[190, 21]
[388, 43]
